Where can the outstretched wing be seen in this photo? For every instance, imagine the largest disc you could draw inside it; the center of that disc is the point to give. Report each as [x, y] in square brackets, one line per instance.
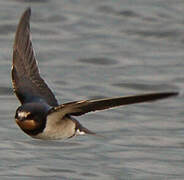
[27, 83]
[81, 107]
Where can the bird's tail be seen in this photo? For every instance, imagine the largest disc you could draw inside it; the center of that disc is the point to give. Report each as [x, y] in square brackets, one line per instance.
[81, 130]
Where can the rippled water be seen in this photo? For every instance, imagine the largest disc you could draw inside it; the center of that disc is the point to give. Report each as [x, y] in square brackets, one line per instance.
[103, 48]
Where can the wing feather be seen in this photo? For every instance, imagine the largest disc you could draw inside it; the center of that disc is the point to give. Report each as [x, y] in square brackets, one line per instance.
[27, 83]
[78, 108]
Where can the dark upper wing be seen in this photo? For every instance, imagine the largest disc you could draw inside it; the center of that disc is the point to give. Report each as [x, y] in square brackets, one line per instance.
[27, 83]
[81, 107]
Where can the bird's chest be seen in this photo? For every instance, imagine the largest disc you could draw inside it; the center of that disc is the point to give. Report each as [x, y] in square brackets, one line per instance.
[55, 129]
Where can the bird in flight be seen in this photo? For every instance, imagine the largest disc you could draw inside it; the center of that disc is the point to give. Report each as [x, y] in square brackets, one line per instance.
[39, 114]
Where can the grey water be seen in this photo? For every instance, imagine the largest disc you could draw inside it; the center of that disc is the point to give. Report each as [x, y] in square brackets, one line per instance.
[99, 48]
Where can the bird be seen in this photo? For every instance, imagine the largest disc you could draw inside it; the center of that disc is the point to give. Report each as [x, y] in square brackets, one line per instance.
[40, 115]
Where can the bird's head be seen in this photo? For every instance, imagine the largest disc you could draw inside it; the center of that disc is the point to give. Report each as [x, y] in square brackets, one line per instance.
[31, 117]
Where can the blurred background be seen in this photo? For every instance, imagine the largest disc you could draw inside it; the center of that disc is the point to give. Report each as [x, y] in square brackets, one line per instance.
[89, 49]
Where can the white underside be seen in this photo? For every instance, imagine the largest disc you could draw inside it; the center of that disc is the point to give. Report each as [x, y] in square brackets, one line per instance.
[78, 132]
[55, 130]
[49, 135]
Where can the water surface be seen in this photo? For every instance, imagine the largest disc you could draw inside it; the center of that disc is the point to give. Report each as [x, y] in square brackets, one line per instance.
[89, 49]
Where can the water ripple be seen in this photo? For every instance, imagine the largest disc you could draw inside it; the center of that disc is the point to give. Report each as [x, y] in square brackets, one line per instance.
[98, 61]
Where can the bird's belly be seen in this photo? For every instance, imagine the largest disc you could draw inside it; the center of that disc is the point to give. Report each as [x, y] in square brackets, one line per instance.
[63, 129]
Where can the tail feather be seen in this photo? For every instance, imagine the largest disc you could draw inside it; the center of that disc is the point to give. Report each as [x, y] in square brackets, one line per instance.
[81, 130]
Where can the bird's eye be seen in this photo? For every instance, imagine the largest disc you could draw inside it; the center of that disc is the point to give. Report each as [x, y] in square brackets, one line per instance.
[29, 116]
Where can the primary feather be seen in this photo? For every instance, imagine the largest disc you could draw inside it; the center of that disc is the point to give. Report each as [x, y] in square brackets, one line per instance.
[27, 83]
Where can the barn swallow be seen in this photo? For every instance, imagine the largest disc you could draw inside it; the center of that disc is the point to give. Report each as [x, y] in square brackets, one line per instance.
[40, 115]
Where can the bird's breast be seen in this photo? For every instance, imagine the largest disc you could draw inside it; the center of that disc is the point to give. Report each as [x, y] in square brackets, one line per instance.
[54, 129]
